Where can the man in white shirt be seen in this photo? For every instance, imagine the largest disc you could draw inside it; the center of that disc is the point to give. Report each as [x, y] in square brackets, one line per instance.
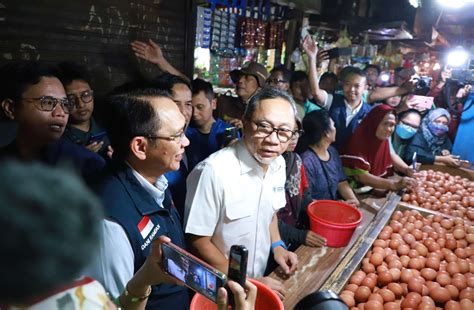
[233, 195]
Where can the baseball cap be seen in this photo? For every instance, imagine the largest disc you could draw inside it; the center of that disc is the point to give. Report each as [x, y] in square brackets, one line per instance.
[252, 68]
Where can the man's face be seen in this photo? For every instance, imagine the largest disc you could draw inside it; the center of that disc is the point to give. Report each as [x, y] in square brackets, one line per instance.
[277, 113]
[386, 127]
[246, 86]
[202, 109]
[277, 80]
[354, 87]
[300, 91]
[181, 95]
[165, 155]
[42, 126]
[372, 76]
[80, 93]
[329, 85]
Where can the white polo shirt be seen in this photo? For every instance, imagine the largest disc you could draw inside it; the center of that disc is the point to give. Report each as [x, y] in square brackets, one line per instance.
[350, 113]
[230, 198]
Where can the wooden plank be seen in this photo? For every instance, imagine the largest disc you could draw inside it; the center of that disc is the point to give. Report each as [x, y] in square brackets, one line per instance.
[316, 264]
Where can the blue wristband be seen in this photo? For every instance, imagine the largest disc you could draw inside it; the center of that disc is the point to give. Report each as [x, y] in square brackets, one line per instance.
[277, 244]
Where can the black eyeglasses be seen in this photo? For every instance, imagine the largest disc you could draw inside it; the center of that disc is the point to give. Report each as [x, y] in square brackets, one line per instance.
[85, 96]
[48, 103]
[405, 123]
[178, 138]
[276, 81]
[264, 130]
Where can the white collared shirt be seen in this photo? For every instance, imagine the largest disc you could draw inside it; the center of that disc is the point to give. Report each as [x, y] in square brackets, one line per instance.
[350, 113]
[230, 198]
[157, 190]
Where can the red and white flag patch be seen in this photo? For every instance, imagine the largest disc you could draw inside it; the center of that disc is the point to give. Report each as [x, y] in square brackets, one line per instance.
[145, 226]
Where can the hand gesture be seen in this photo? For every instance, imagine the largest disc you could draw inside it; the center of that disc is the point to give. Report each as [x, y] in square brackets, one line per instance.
[244, 297]
[95, 146]
[288, 261]
[149, 51]
[451, 160]
[314, 240]
[310, 47]
[405, 182]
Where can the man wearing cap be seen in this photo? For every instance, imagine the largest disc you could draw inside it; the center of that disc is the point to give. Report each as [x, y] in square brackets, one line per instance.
[249, 79]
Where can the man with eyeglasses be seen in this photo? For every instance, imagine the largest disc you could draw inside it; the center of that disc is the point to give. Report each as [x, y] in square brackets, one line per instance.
[234, 194]
[32, 95]
[148, 138]
[82, 128]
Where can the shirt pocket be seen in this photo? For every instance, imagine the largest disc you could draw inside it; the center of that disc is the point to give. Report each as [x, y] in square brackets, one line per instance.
[238, 222]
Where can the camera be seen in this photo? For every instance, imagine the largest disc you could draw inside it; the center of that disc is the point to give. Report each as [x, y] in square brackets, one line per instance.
[423, 82]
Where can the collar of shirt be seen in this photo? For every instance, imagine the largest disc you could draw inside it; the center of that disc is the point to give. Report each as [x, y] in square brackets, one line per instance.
[248, 162]
[350, 111]
[157, 190]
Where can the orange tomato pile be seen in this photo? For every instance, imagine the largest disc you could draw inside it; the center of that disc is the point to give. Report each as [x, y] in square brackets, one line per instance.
[444, 193]
[417, 262]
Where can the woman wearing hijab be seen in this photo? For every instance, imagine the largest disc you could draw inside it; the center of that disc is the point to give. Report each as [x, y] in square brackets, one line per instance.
[322, 164]
[367, 159]
[431, 143]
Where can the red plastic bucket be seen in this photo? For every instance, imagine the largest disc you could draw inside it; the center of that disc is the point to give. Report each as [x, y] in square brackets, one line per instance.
[266, 299]
[334, 220]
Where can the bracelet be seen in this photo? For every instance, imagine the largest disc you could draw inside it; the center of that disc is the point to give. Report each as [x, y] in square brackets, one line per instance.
[277, 244]
[134, 298]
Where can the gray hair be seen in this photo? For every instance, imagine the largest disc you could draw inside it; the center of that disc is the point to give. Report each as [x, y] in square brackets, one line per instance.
[267, 93]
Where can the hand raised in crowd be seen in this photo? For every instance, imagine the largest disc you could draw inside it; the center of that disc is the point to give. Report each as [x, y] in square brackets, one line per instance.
[149, 51]
[244, 298]
[110, 151]
[95, 146]
[310, 47]
[288, 261]
[322, 56]
[314, 240]
[275, 285]
[464, 91]
[410, 85]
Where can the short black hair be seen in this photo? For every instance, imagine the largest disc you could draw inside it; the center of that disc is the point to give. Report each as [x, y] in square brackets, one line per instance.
[71, 71]
[50, 226]
[132, 115]
[267, 93]
[167, 81]
[328, 75]
[315, 125]
[298, 76]
[284, 72]
[350, 70]
[406, 112]
[199, 85]
[16, 77]
[373, 67]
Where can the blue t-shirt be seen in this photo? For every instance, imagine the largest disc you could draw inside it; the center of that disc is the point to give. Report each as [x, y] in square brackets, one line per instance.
[323, 176]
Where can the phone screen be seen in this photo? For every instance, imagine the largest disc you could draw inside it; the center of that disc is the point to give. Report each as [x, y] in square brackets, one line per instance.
[422, 102]
[97, 137]
[189, 270]
[238, 256]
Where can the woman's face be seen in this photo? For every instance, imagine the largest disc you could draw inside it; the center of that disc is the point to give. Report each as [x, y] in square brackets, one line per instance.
[331, 133]
[386, 127]
[442, 120]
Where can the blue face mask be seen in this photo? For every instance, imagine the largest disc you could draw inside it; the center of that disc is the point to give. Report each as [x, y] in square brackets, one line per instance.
[405, 132]
[438, 129]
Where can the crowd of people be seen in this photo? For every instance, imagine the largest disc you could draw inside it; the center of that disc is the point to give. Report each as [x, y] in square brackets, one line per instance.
[160, 167]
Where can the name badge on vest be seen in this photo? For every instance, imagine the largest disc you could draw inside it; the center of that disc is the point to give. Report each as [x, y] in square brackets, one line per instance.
[148, 230]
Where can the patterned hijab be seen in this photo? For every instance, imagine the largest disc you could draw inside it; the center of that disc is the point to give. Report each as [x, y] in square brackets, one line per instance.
[435, 142]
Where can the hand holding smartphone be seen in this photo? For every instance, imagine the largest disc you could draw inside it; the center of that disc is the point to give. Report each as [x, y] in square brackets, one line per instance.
[238, 258]
[193, 272]
[97, 137]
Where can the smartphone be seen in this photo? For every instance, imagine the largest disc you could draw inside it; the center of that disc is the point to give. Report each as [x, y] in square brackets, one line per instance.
[97, 137]
[238, 258]
[193, 272]
[336, 52]
[422, 102]
[231, 133]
